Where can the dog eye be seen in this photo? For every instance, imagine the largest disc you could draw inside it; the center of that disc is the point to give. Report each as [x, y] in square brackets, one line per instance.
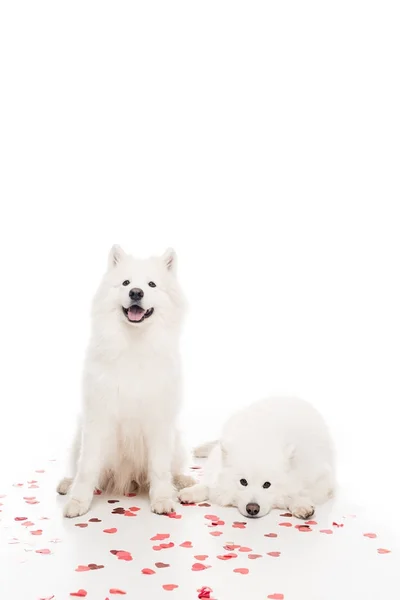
[126, 282]
[243, 482]
[152, 284]
[266, 485]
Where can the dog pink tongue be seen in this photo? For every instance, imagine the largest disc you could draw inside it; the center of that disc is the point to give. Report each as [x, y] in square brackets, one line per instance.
[135, 313]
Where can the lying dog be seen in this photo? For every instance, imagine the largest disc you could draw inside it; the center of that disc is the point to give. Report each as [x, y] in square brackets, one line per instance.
[131, 387]
[277, 453]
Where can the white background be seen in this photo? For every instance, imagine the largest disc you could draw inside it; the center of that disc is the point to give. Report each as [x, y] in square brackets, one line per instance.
[261, 140]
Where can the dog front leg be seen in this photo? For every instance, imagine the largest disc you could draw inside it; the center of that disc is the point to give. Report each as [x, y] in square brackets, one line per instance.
[94, 439]
[160, 445]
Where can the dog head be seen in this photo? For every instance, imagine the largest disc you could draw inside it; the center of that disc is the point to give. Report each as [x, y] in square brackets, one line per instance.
[138, 292]
[255, 476]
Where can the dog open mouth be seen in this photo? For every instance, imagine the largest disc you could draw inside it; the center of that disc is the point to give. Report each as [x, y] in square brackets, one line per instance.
[137, 314]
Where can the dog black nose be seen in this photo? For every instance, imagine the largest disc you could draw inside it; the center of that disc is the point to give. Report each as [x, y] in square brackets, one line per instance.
[136, 294]
[253, 509]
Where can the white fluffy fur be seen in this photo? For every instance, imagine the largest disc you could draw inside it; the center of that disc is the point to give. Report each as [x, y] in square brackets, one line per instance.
[127, 434]
[283, 441]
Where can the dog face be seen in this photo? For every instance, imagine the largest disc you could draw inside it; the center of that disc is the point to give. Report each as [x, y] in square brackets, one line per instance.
[140, 291]
[255, 479]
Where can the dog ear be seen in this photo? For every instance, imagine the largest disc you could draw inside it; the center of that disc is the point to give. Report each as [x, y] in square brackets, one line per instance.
[169, 259]
[115, 256]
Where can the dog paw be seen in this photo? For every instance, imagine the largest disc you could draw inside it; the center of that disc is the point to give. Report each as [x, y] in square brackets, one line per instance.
[162, 506]
[187, 495]
[76, 508]
[183, 481]
[302, 512]
[64, 485]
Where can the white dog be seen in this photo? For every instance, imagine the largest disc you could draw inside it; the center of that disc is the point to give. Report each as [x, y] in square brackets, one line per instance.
[131, 387]
[277, 453]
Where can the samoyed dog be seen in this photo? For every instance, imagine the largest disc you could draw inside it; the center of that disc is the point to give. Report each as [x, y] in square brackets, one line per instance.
[127, 435]
[277, 453]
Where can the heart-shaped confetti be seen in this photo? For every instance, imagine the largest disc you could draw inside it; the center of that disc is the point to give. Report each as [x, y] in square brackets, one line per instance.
[285, 524]
[111, 530]
[169, 587]
[148, 572]
[161, 565]
[37, 532]
[254, 556]
[372, 536]
[204, 593]
[274, 554]
[20, 518]
[81, 568]
[199, 567]
[327, 531]
[186, 545]
[94, 520]
[245, 549]
[81, 525]
[43, 551]
[311, 523]
[79, 594]
[117, 591]
[160, 537]
[271, 535]
[122, 554]
[211, 517]
[239, 525]
[216, 533]
[241, 571]
[276, 597]
[129, 513]
[383, 551]
[201, 556]
[227, 556]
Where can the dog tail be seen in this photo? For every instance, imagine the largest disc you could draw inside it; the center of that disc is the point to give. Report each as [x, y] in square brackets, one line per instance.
[204, 450]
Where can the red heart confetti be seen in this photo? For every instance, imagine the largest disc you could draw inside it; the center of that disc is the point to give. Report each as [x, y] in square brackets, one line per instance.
[372, 536]
[204, 593]
[43, 551]
[161, 565]
[164, 546]
[186, 545]
[304, 528]
[245, 549]
[81, 524]
[81, 568]
[111, 530]
[201, 556]
[274, 554]
[169, 587]
[37, 532]
[239, 525]
[117, 591]
[327, 531]
[227, 556]
[285, 524]
[276, 597]
[159, 537]
[271, 535]
[337, 524]
[122, 554]
[241, 571]
[254, 556]
[230, 547]
[79, 594]
[216, 533]
[148, 572]
[94, 520]
[383, 551]
[211, 517]
[129, 513]
[20, 518]
[311, 523]
[199, 567]
[173, 515]
[134, 508]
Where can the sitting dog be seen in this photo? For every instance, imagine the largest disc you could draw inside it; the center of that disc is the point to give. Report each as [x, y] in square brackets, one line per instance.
[127, 434]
